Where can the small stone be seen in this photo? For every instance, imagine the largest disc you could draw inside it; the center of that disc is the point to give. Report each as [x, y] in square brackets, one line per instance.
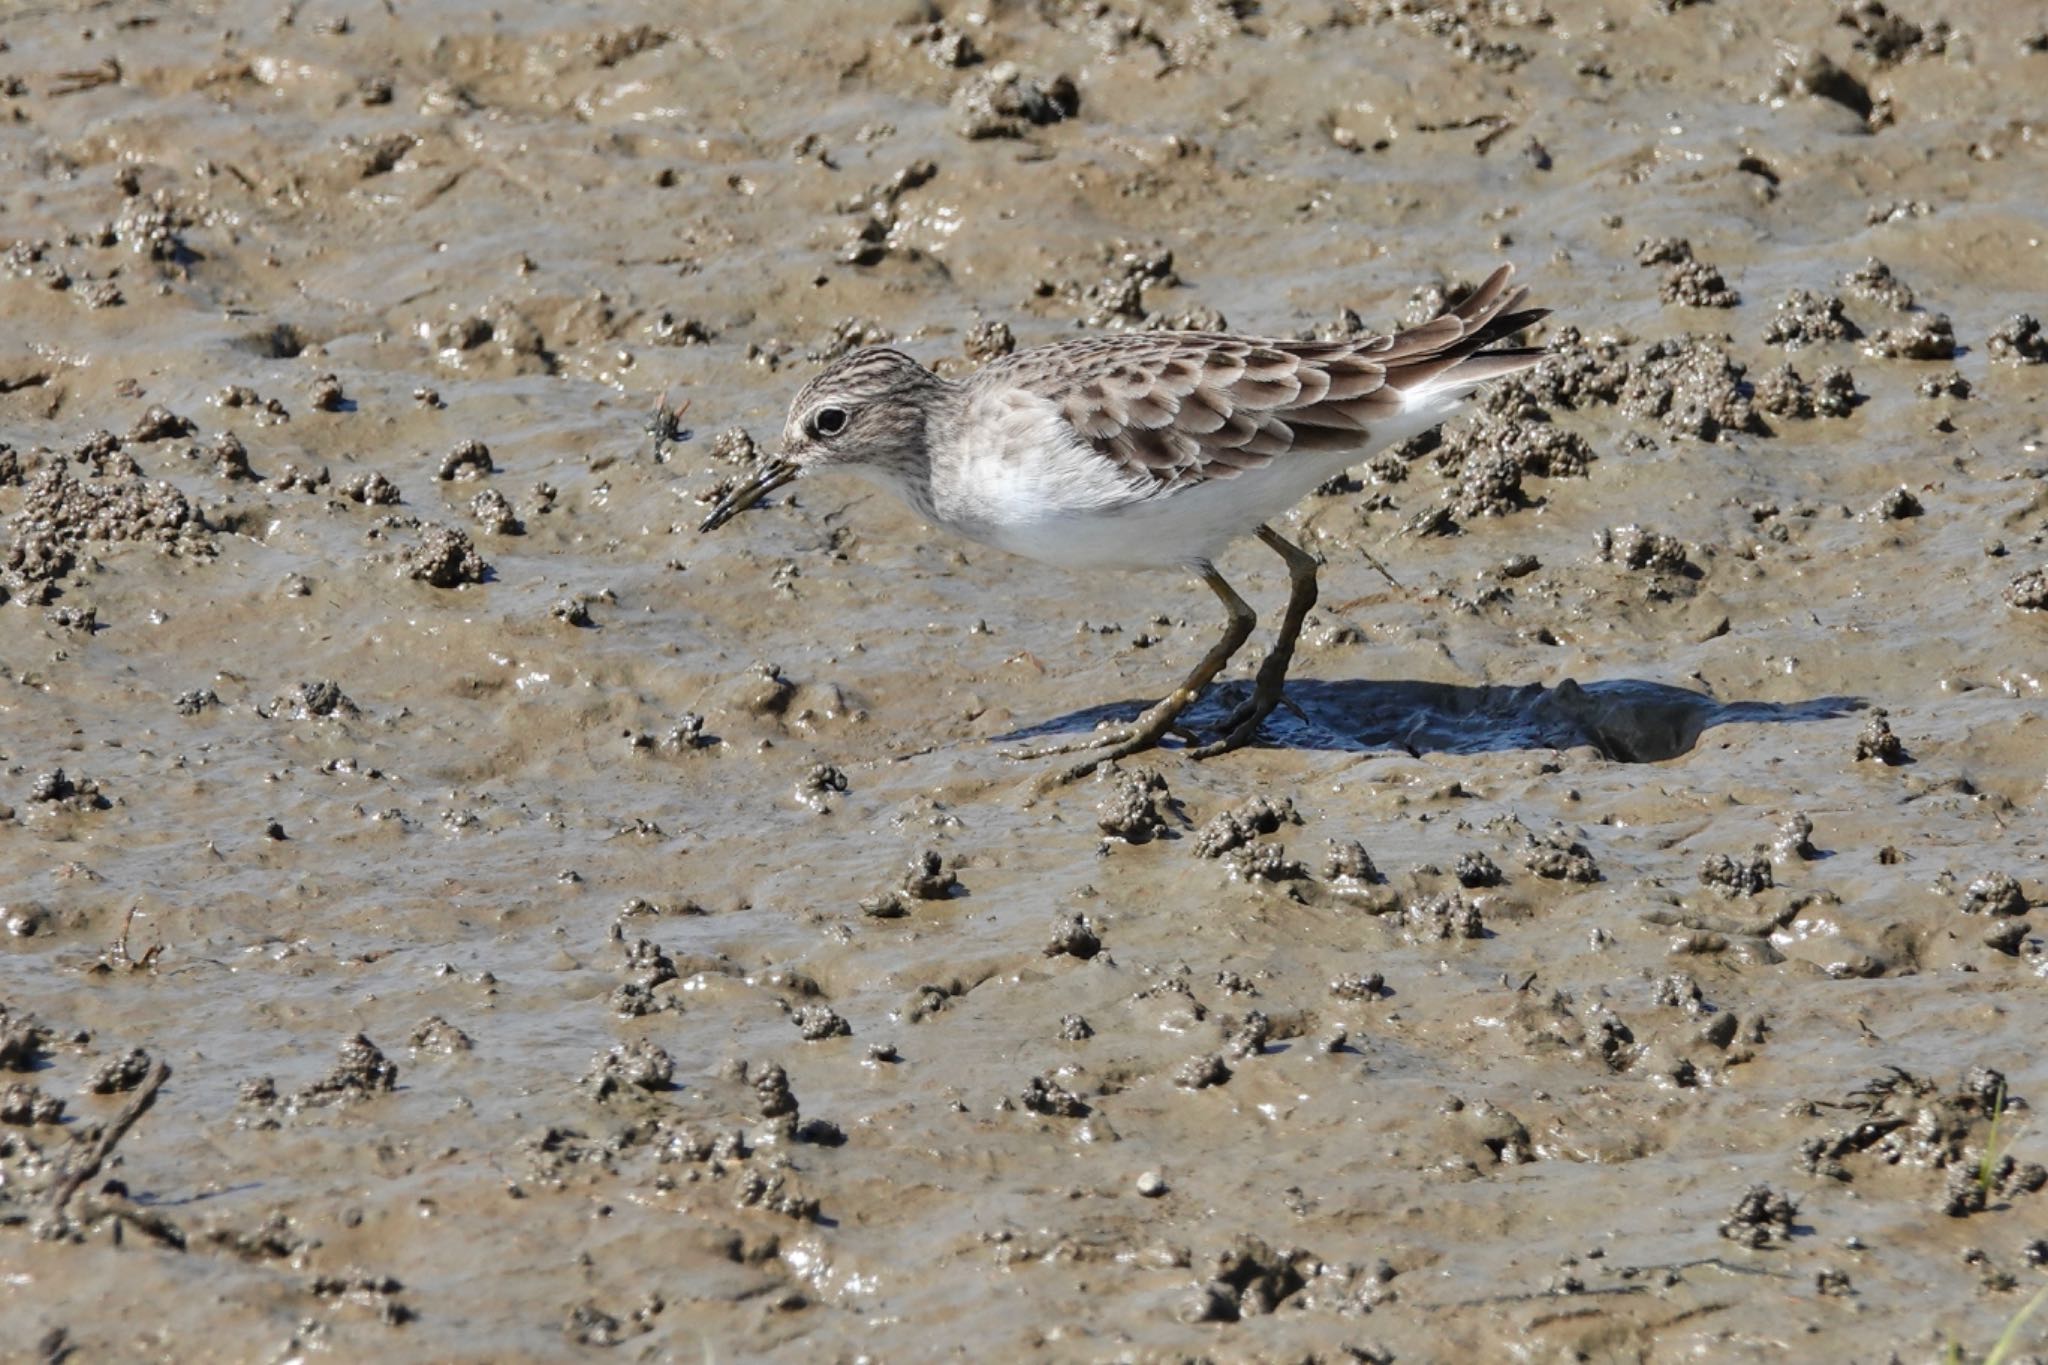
[1131, 811]
[1877, 741]
[1233, 828]
[1073, 936]
[493, 510]
[641, 1065]
[1051, 1099]
[735, 446]
[230, 457]
[820, 784]
[818, 1022]
[2006, 936]
[1759, 1216]
[371, 489]
[1925, 338]
[469, 459]
[772, 1095]
[989, 340]
[361, 1070]
[1635, 548]
[890, 904]
[821, 1133]
[1151, 1185]
[119, 1073]
[1004, 102]
[444, 558]
[1267, 863]
[1663, 251]
[1795, 840]
[1556, 856]
[1949, 384]
[1347, 861]
[159, 423]
[1475, 870]
[1695, 284]
[436, 1035]
[928, 878]
[1250, 1037]
[1199, 1073]
[26, 1104]
[1814, 74]
[1805, 318]
[1359, 986]
[1783, 393]
[1834, 392]
[1744, 877]
[1875, 280]
[943, 44]
[2028, 592]
[2020, 342]
[1995, 893]
[1441, 917]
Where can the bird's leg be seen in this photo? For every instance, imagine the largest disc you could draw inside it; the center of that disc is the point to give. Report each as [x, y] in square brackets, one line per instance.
[1242, 726]
[1163, 716]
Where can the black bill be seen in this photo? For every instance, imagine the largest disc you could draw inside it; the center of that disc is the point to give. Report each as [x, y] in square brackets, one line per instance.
[766, 480]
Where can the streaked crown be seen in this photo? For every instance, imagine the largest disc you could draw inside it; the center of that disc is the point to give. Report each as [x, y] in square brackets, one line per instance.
[868, 407]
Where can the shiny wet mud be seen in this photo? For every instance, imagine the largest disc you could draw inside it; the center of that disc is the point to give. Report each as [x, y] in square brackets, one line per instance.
[563, 929]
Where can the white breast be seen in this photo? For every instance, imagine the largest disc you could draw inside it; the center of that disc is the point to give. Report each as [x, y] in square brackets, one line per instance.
[1024, 477]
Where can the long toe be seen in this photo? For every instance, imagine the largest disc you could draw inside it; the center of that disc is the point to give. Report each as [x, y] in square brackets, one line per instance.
[1154, 725]
[1108, 739]
[1235, 739]
[1251, 711]
[1241, 728]
[1135, 744]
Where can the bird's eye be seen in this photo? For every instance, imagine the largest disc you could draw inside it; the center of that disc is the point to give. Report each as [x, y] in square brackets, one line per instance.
[828, 421]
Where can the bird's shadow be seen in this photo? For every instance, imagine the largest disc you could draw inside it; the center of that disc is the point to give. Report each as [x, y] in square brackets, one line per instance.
[1628, 720]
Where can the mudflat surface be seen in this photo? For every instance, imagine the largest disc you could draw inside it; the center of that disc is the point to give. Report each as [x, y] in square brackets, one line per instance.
[567, 932]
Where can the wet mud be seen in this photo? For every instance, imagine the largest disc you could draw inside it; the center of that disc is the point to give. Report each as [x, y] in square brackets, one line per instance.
[455, 911]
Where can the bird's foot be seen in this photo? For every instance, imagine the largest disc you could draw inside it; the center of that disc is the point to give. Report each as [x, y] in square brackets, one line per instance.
[1242, 725]
[1252, 711]
[1144, 733]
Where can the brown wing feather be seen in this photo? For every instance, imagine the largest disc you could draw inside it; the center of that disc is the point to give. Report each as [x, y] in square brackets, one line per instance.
[1186, 406]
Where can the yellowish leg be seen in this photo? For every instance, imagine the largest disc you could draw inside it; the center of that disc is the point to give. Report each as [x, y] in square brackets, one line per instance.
[1160, 718]
[1243, 725]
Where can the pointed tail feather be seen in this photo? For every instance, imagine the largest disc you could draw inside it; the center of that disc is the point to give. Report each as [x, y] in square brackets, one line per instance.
[1450, 368]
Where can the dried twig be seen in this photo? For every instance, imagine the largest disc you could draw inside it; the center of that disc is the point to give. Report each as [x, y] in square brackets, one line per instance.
[119, 954]
[665, 425]
[108, 1138]
[108, 72]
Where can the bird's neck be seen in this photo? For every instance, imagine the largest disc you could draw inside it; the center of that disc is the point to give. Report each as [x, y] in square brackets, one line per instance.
[908, 470]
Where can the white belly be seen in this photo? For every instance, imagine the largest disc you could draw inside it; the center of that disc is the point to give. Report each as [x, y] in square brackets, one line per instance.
[1035, 489]
[1192, 525]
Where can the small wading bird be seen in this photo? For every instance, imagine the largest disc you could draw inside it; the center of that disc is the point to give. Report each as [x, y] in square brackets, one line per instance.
[1146, 450]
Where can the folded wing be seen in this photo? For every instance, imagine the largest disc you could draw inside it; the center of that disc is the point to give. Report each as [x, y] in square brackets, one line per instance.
[1182, 407]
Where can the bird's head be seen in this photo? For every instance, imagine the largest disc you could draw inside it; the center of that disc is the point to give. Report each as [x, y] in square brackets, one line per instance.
[869, 410]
